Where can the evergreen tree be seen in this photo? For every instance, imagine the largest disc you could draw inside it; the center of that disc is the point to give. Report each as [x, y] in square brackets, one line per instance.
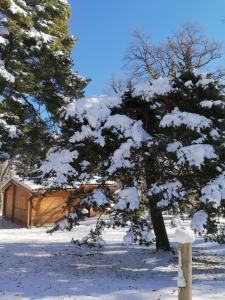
[168, 133]
[191, 152]
[36, 72]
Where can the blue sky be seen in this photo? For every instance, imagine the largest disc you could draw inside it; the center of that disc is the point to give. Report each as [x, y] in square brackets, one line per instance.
[104, 28]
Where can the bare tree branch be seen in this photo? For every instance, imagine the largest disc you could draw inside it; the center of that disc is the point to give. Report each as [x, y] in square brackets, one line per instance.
[187, 49]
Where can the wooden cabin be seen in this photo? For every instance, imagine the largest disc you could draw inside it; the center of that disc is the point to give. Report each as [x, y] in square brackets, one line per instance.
[30, 205]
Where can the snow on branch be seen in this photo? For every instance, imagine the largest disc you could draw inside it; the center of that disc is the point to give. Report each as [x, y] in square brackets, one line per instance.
[16, 9]
[168, 191]
[64, 2]
[214, 191]
[3, 41]
[39, 35]
[128, 128]
[5, 74]
[87, 132]
[195, 155]
[204, 82]
[192, 121]
[58, 162]
[127, 198]
[12, 130]
[137, 234]
[160, 86]
[212, 103]
[199, 221]
[93, 109]
[121, 157]
[97, 199]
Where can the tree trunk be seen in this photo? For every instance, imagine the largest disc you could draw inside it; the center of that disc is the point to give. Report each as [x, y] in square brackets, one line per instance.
[162, 241]
[143, 112]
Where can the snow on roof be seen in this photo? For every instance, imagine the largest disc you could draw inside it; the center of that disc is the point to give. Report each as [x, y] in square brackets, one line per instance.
[32, 186]
[28, 184]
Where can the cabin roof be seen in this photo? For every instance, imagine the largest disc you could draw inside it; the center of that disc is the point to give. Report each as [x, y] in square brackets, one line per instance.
[34, 187]
[27, 184]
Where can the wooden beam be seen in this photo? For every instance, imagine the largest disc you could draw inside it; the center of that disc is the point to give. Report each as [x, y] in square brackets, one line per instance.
[185, 293]
[3, 202]
[13, 202]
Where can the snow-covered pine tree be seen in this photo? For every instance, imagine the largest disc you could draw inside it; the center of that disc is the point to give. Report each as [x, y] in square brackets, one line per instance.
[190, 152]
[36, 71]
[166, 137]
[104, 136]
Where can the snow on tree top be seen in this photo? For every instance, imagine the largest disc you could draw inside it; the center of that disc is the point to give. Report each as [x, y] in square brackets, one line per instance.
[191, 120]
[95, 109]
[64, 2]
[204, 81]
[158, 86]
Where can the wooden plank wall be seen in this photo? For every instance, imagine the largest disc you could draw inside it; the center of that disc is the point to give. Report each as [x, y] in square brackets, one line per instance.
[52, 207]
[41, 209]
[48, 209]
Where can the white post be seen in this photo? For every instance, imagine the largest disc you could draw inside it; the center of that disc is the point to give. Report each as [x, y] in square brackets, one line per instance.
[185, 238]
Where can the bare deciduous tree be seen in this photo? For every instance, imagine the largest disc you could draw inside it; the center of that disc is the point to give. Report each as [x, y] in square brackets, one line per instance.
[188, 49]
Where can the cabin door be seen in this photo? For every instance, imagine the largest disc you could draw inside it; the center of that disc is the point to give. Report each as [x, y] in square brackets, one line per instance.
[8, 203]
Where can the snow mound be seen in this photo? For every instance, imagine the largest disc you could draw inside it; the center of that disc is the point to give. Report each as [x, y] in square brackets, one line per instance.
[184, 236]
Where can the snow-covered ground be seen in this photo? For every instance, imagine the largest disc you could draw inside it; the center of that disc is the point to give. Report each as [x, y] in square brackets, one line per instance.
[36, 265]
